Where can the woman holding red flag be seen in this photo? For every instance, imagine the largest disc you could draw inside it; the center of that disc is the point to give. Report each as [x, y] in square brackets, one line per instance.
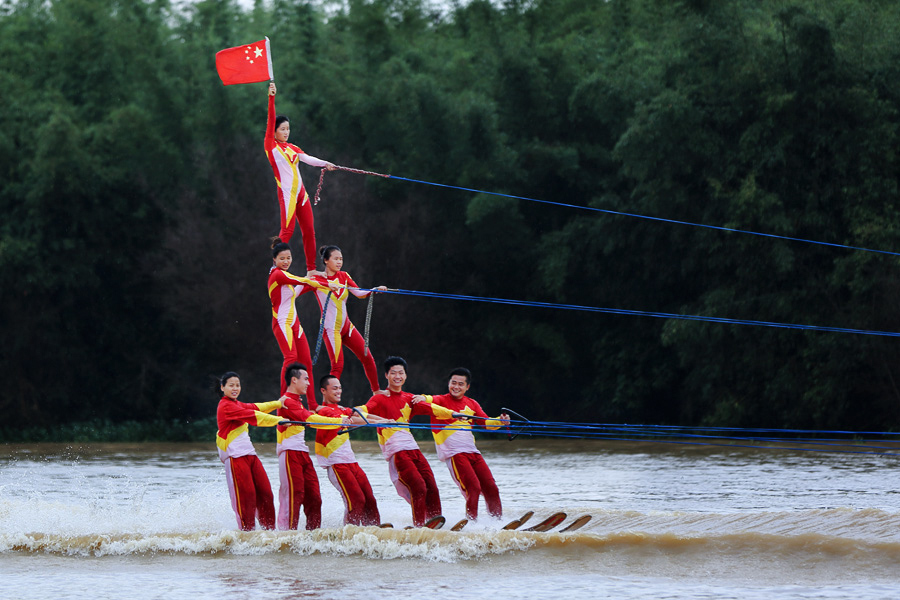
[293, 201]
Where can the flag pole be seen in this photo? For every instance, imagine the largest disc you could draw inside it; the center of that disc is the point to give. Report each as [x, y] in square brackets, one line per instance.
[269, 59]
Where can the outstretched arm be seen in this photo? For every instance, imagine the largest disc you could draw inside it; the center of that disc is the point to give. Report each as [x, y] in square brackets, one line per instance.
[316, 162]
[270, 121]
[356, 291]
[497, 422]
[321, 422]
[371, 419]
[252, 414]
[485, 421]
[422, 405]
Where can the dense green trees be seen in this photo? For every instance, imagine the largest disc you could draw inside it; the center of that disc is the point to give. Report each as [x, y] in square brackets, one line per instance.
[136, 201]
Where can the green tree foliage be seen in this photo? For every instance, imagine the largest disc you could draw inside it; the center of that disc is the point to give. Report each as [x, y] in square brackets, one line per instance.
[137, 202]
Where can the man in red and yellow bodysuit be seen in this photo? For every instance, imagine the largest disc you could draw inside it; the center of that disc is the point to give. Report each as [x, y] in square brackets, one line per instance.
[410, 472]
[334, 454]
[455, 443]
[299, 482]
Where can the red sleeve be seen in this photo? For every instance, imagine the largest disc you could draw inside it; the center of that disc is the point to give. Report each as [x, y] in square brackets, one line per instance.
[236, 411]
[328, 410]
[286, 278]
[440, 399]
[293, 411]
[373, 407]
[318, 282]
[477, 408]
[422, 408]
[276, 279]
[270, 126]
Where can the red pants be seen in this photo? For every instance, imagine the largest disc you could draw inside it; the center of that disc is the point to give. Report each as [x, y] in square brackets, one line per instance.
[415, 482]
[359, 501]
[297, 351]
[304, 215]
[474, 478]
[250, 491]
[299, 486]
[351, 338]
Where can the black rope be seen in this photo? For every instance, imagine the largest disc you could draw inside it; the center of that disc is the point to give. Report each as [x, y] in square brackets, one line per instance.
[321, 328]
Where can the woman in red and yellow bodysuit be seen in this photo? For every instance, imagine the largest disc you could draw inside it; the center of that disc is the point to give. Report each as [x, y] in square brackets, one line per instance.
[248, 484]
[284, 288]
[293, 201]
[338, 330]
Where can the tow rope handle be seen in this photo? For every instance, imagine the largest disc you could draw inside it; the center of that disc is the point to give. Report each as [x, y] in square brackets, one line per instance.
[510, 435]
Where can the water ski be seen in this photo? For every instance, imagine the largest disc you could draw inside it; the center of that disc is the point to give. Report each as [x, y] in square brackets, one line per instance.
[432, 523]
[459, 525]
[576, 524]
[515, 524]
[549, 523]
[435, 522]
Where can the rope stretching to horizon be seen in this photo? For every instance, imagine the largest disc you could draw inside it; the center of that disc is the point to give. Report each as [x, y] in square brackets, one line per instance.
[638, 313]
[674, 434]
[621, 311]
[604, 211]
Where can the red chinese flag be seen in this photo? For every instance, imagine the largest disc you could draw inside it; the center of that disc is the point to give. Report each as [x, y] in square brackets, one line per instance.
[245, 64]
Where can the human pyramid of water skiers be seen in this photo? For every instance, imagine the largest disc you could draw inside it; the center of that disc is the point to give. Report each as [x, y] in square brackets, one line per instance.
[452, 414]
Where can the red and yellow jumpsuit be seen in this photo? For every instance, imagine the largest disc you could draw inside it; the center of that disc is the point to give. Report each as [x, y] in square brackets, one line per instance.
[299, 482]
[455, 446]
[334, 454]
[248, 484]
[410, 472]
[284, 288]
[293, 201]
[339, 331]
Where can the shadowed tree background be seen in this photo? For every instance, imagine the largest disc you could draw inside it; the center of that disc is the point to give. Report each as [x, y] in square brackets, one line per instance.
[137, 204]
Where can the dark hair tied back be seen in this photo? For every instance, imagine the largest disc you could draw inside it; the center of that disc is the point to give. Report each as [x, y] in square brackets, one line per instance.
[326, 251]
[224, 379]
[278, 247]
